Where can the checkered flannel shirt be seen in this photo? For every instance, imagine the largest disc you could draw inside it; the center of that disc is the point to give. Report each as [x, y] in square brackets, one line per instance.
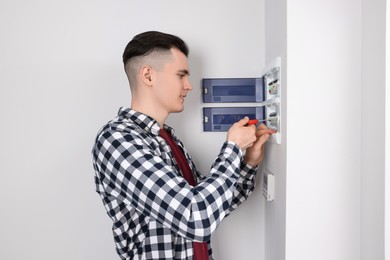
[156, 214]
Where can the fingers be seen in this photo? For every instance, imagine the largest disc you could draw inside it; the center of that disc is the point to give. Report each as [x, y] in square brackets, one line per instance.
[262, 129]
[264, 138]
[260, 142]
[255, 153]
[243, 121]
[244, 136]
[262, 126]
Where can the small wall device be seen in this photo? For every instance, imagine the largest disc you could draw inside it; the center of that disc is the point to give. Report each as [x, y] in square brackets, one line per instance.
[268, 185]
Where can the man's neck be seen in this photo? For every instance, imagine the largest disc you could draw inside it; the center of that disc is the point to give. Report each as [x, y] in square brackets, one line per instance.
[150, 110]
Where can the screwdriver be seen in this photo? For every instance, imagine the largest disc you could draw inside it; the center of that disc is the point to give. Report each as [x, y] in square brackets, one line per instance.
[255, 121]
[252, 122]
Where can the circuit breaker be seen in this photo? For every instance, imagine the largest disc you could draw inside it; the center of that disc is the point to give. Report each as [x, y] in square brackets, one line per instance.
[272, 102]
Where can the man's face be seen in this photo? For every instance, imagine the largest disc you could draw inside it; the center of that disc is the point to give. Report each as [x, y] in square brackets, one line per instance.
[172, 83]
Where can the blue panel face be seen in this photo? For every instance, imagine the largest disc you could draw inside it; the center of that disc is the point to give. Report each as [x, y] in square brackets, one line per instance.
[223, 119]
[240, 91]
[220, 119]
[233, 90]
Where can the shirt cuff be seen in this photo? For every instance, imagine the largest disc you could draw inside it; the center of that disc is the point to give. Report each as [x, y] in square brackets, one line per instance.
[248, 169]
[233, 147]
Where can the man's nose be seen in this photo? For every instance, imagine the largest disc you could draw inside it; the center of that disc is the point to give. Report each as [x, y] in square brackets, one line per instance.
[188, 85]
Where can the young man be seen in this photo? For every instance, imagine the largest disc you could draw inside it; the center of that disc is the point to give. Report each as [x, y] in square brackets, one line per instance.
[161, 206]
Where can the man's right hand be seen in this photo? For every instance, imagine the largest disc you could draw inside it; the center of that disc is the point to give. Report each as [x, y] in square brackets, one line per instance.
[241, 134]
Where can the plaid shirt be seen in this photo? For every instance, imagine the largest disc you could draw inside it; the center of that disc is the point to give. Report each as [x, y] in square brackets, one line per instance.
[156, 214]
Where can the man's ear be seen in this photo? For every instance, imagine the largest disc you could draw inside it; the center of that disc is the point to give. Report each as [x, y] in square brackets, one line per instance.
[146, 75]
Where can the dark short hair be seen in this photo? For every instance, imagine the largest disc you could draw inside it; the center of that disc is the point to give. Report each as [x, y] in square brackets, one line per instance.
[146, 42]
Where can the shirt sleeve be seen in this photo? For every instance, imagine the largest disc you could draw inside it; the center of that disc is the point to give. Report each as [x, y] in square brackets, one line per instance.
[245, 185]
[135, 173]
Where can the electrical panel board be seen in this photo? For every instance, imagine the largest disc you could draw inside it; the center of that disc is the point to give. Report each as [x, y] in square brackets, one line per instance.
[260, 98]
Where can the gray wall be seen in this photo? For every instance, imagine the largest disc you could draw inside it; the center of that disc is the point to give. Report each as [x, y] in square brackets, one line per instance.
[276, 157]
[373, 144]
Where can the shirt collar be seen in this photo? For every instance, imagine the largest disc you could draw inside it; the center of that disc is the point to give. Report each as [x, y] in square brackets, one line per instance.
[146, 122]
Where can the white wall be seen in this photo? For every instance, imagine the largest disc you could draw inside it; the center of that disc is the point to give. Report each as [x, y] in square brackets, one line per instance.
[62, 78]
[331, 192]
[335, 130]
[324, 91]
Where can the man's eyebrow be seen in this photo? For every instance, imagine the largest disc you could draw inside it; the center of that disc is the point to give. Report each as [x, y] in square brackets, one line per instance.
[186, 72]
